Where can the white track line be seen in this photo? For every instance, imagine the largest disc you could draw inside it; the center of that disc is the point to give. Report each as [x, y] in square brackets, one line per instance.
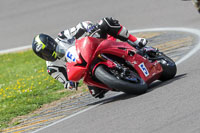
[197, 47]
[54, 123]
[15, 49]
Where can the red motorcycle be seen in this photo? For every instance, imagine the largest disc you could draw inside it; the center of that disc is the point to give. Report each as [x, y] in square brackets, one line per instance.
[117, 66]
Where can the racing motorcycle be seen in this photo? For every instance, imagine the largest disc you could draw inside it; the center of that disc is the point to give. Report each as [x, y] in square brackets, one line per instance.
[117, 66]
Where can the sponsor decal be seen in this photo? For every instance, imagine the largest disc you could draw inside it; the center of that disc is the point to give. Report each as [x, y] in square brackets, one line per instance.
[39, 43]
[144, 69]
[39, 47]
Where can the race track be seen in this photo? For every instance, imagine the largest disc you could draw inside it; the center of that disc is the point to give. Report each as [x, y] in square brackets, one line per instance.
[169, 107]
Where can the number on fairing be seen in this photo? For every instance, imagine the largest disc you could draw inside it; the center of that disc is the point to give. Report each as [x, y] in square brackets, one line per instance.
[71, 54]
[144, 69]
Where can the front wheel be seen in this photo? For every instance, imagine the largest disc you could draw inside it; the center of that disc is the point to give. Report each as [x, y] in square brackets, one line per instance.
[132, 85]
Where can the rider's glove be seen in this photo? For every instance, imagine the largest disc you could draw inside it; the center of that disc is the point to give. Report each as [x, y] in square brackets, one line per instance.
[72, 85]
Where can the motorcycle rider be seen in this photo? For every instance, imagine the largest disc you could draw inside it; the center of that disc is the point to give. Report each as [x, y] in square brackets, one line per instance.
[44, 46]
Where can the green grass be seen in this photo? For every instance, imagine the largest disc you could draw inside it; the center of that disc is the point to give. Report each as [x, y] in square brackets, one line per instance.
[25, 85]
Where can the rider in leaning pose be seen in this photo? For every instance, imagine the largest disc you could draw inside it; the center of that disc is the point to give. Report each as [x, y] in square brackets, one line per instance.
[44, 46]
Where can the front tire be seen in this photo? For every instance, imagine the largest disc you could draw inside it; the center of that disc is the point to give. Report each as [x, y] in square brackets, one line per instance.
[102, 74]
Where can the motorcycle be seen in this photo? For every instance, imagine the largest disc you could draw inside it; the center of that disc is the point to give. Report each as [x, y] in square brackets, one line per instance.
[117, 66]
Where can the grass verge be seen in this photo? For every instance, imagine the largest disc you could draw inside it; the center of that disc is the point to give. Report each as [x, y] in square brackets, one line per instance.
[25, 85]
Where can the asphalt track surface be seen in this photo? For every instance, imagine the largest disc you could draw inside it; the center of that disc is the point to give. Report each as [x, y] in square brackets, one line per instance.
[170, 107]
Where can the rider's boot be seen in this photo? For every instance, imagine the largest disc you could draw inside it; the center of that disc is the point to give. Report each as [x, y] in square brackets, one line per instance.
[137, 43]
[97, 92]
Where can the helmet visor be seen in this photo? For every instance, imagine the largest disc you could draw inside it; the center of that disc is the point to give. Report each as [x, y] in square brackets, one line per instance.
[60, 51]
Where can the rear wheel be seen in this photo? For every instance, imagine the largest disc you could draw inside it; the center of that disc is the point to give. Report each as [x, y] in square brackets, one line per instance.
[132, 83]
[169, 67]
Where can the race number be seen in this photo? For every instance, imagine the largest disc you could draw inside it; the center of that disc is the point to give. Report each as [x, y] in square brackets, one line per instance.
[71, 54]
[144, 69]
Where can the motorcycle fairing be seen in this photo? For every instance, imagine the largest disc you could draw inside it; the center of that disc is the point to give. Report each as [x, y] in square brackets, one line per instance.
[89, 48]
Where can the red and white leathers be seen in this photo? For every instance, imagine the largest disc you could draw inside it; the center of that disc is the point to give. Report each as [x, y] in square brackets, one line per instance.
[66, 38]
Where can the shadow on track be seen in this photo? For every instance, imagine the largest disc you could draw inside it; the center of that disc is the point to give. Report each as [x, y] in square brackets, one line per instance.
[125, 96]
[158, 84]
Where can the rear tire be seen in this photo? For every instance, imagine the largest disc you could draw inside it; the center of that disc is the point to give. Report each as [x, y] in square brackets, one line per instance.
[103, 74]
[169, 68]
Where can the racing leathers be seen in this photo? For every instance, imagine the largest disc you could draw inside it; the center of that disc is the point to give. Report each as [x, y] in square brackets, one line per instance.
[104, 28]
